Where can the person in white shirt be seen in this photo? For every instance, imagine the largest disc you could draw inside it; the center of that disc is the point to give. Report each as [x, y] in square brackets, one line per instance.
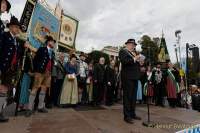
[83, 72]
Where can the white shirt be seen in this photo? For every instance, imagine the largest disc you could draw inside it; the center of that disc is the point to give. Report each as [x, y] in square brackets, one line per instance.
[83, 69]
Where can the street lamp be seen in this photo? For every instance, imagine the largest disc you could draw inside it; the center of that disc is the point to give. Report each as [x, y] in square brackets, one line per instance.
[177, 34]
[175, 48]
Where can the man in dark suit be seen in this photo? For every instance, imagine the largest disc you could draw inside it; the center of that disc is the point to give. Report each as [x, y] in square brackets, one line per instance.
[99, 82]
[10, 60]
[43, 62]
[130, 73]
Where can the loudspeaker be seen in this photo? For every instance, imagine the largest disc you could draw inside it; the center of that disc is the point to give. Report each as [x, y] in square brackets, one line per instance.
[196, 101]
[195, 59]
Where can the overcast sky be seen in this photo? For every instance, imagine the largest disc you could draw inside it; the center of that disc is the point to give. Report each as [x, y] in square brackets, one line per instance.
[112, 22]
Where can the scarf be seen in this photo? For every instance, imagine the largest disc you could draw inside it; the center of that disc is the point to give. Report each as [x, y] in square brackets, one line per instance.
[171, 76]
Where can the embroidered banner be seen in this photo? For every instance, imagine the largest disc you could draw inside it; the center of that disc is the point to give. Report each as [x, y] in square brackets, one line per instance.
[43, 23]
[68, 31]
[27, 13]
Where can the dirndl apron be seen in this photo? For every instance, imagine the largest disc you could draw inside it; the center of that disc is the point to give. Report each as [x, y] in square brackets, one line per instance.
[139, 90]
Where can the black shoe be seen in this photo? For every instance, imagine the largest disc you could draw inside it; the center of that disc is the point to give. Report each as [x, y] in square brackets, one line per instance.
[109, 104]
[3, 118]
[28, 113]
[43, 110]
[162, 105]
[128, 120]
[94, 105]
[137, 118]
[49, 106]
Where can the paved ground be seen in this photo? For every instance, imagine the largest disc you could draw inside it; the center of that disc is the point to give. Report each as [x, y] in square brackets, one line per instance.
[103, 120]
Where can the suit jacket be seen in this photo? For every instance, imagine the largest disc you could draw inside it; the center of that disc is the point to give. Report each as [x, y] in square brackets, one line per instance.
[130, 68]
[8, 48]
[41, 60]
[110, 75]
[99, 73]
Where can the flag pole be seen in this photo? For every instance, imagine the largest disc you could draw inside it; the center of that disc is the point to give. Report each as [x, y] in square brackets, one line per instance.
[60, 20]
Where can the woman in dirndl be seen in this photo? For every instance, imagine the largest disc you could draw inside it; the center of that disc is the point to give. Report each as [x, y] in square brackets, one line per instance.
[69, 93]
[148, 86]
[172, 84]
[26, 83]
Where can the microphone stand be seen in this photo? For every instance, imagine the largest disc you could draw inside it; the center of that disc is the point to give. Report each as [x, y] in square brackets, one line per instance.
[148, 123]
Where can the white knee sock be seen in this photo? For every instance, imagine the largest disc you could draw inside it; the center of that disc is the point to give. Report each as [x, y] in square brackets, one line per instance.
[2, 103]
[31, 101]
[41, 99]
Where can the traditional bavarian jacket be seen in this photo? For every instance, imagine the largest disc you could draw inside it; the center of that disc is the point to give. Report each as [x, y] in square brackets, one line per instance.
[43, 60]
[10, 52]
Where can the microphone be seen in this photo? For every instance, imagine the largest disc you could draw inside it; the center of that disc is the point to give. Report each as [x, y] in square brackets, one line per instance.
[138, 48]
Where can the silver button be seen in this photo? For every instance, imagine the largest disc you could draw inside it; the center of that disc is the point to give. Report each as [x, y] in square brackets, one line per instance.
[6, 58]
[4, 64]
[8, 53]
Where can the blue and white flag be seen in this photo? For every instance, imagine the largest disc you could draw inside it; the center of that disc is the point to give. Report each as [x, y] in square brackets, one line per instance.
[43, 23]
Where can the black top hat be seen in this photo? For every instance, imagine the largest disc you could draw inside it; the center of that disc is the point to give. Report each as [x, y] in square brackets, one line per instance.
[131, 41]
[50, 38]
[14, 21]
[8, 5]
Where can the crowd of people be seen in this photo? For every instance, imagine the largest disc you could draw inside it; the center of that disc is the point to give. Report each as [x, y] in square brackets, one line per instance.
[43, 79]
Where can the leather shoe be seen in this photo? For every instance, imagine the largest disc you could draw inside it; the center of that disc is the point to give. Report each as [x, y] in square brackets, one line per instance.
[28, 113]
[43, 110]
[129, 121]
[137, 118]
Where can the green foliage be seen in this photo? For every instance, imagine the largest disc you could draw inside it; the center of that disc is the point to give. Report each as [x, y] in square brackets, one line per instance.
[193, 75]
[198, 75]
[94, 56]
[150, 49]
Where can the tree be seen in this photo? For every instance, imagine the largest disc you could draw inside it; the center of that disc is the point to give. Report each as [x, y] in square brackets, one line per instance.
[150, 49]
[163, 54]
[94, 57]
